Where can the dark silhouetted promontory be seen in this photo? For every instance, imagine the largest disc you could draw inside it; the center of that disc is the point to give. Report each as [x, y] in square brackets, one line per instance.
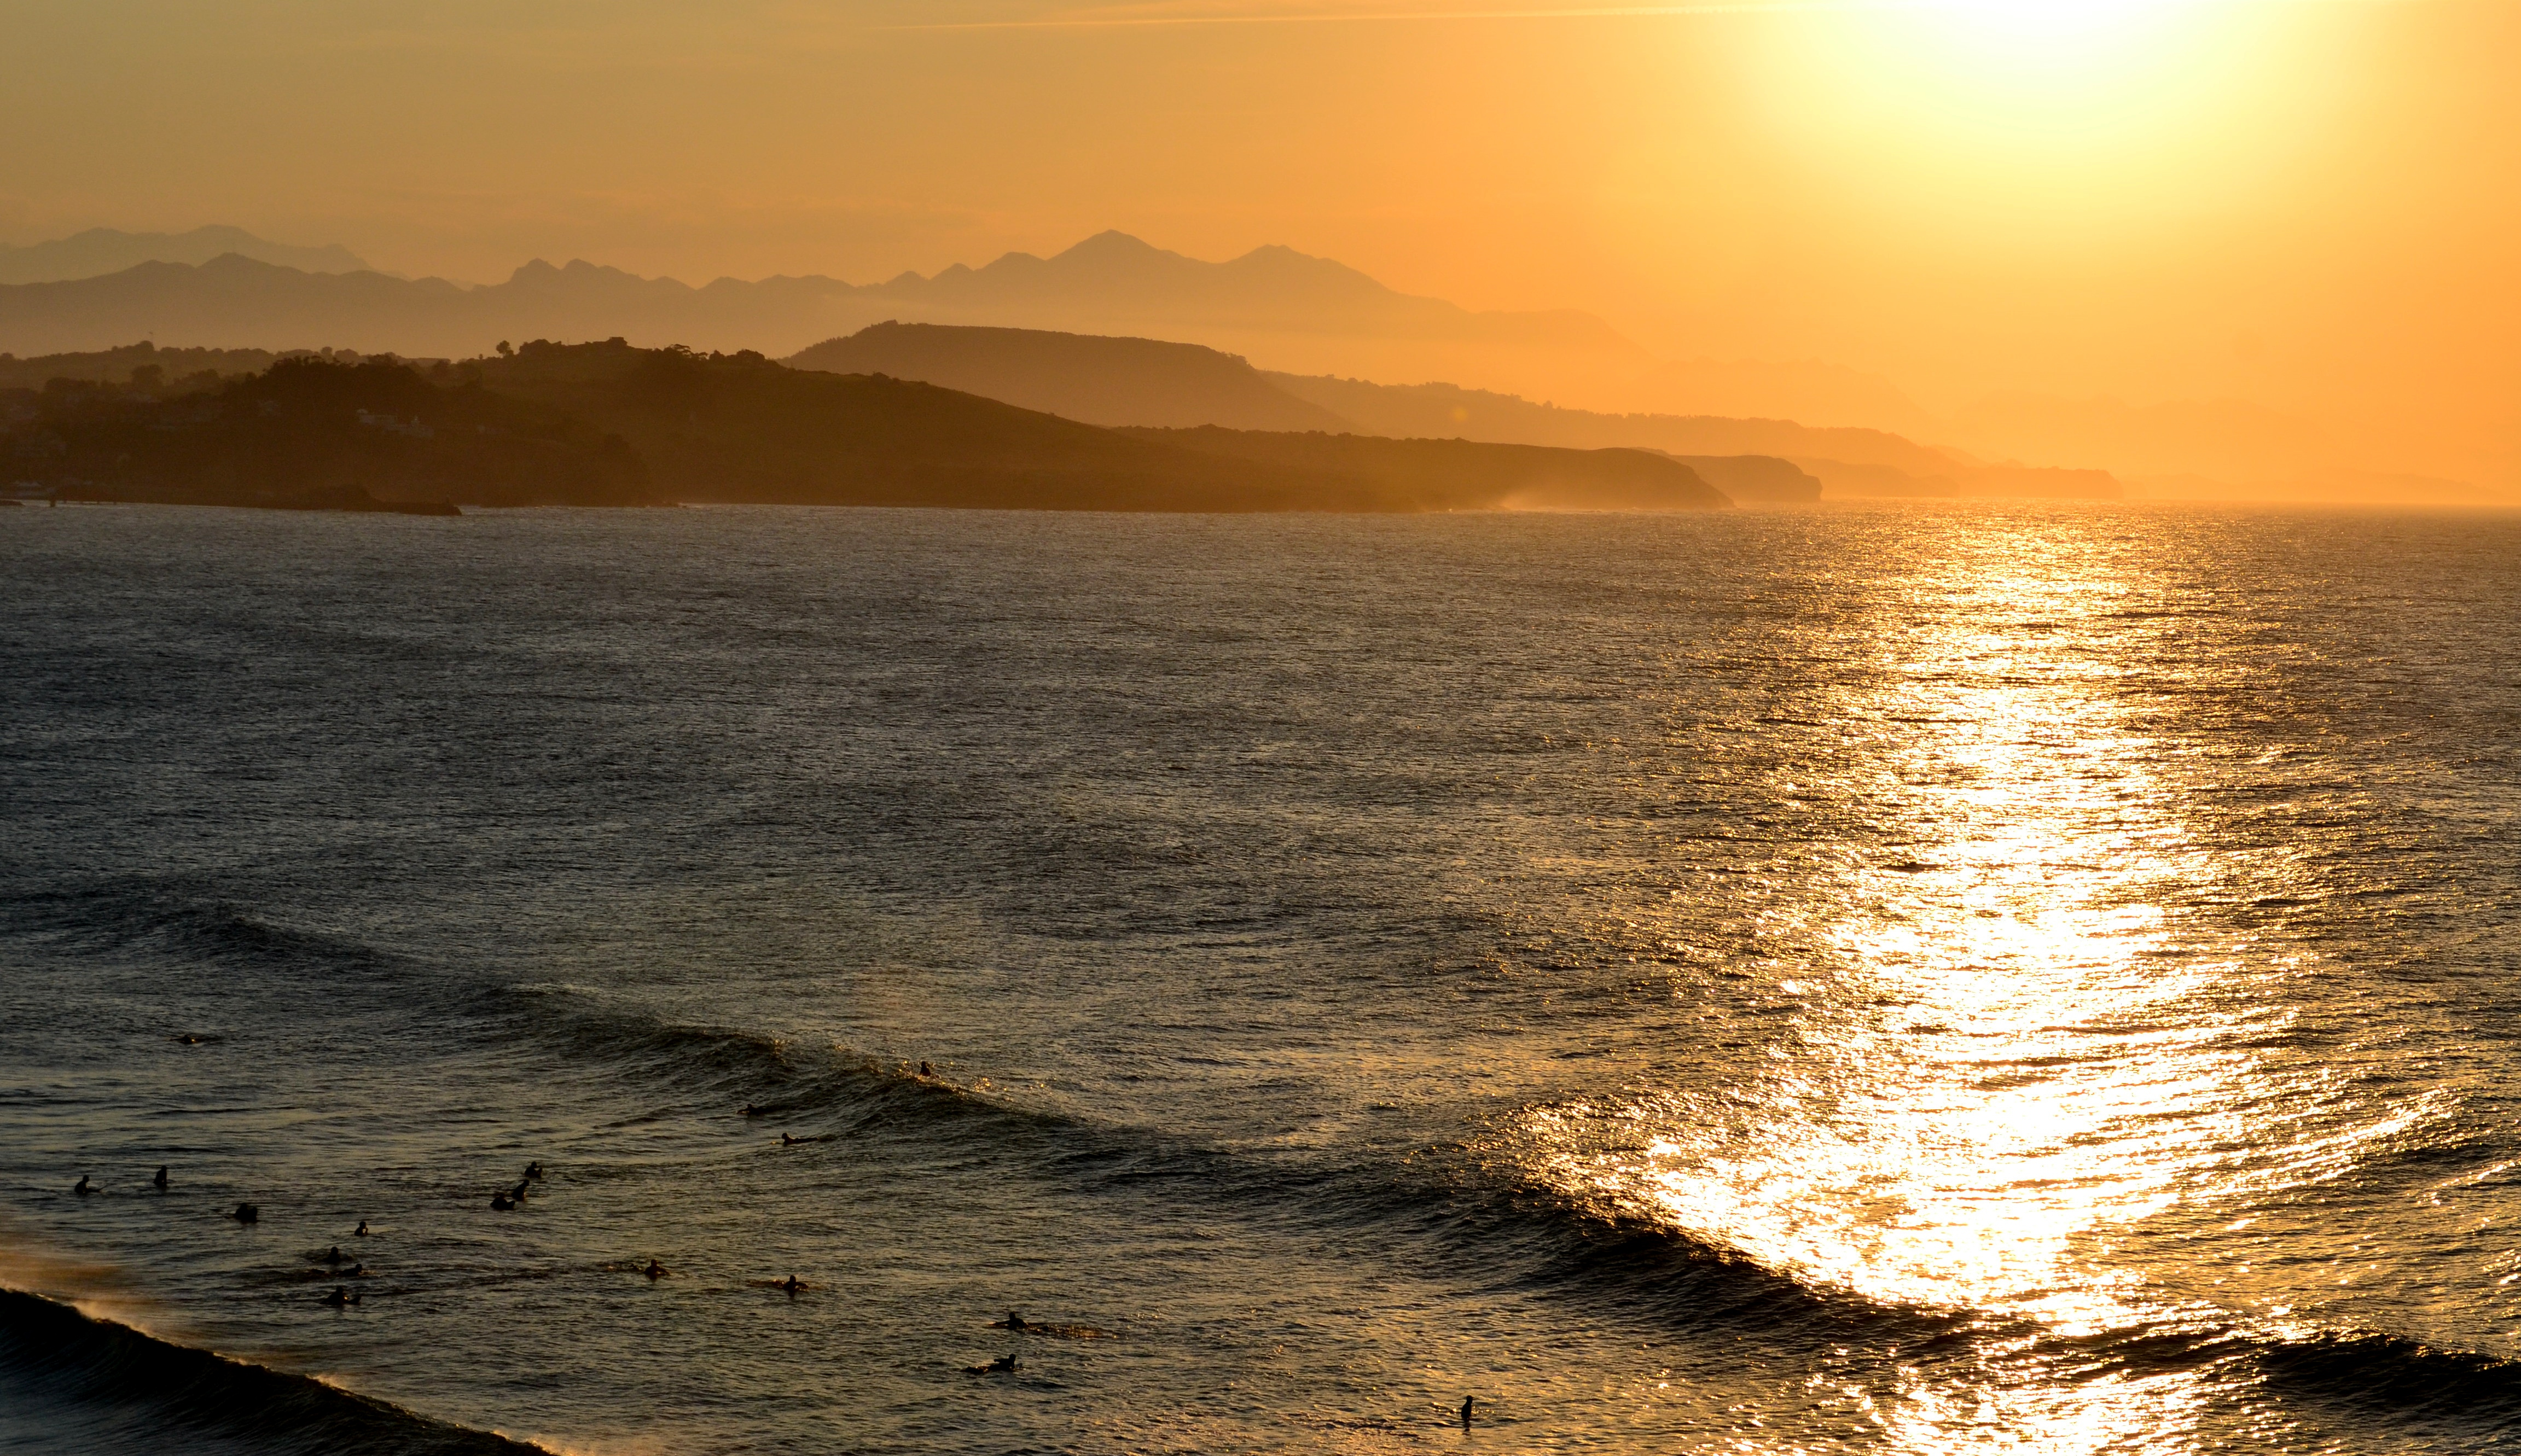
[1755, 477]
[1453, 475]
[609, 424]
[742, 429]
[1846, 460]
[310, 433]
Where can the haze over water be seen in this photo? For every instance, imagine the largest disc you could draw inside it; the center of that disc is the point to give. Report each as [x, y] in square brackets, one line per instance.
[2010, 978]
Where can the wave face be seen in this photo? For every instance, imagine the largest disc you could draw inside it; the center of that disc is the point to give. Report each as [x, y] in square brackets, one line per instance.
[2029, 978]
[76, 1384]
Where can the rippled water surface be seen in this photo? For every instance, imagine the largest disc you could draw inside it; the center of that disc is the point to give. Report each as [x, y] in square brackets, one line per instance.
[1933, 978]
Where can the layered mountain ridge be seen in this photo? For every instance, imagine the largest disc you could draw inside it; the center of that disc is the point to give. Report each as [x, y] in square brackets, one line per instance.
[1110, 282]
[1283, 310]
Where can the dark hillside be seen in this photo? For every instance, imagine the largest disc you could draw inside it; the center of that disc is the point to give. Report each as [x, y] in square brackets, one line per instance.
[1084, 376]
[741, 428]
[310, 432]
[122, 365]
[607, 423]
[1755, 477]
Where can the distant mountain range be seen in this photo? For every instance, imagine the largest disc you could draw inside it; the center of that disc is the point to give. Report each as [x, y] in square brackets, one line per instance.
[1291, 316]
[1296, 312]
[102, 251]
[1279, 307]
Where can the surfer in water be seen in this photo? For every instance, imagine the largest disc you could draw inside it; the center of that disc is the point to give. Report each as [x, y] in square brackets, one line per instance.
[793, 1285]
[248, 1214]
[81, 1187]
[332, 1255]
[501, 1203]
[341, 1296]
[361, 1231]
[656, 1270]
[160, 1182]
[535, 1172]
[1467, 1402]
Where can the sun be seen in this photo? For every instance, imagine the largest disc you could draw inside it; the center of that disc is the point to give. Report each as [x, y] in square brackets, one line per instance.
[2040, 25]
[1960, 82]
[2047, 39]
[2081, 124]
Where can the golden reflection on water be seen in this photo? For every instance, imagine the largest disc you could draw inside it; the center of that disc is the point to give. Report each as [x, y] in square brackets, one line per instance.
[2008, 1041]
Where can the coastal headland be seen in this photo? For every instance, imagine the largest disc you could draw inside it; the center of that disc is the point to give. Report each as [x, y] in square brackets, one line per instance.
[611, 424]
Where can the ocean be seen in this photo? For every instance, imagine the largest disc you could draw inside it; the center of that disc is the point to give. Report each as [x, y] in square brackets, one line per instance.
[1927, 978]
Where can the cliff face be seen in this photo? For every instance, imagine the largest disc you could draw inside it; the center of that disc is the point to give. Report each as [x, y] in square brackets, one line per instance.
[1453, 475]
[1755, 477]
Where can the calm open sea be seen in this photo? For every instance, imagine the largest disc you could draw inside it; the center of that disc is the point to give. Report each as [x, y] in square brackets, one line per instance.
[2005, 977]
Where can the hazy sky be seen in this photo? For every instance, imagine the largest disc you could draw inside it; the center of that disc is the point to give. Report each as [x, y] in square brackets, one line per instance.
[2310, 204]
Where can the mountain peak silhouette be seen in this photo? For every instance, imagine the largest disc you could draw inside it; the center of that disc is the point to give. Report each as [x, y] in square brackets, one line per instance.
[1112, 243]
[98, 252]
[1273, 303]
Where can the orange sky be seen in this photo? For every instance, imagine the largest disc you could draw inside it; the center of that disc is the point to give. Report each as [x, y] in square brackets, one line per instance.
[2310, 204]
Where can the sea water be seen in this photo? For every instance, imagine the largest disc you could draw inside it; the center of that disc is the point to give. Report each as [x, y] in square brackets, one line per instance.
[1936, 978]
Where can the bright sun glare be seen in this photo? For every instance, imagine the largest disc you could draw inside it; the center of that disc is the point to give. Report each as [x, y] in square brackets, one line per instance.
[2102, 104]
[2043, 23]
[2042, 43]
